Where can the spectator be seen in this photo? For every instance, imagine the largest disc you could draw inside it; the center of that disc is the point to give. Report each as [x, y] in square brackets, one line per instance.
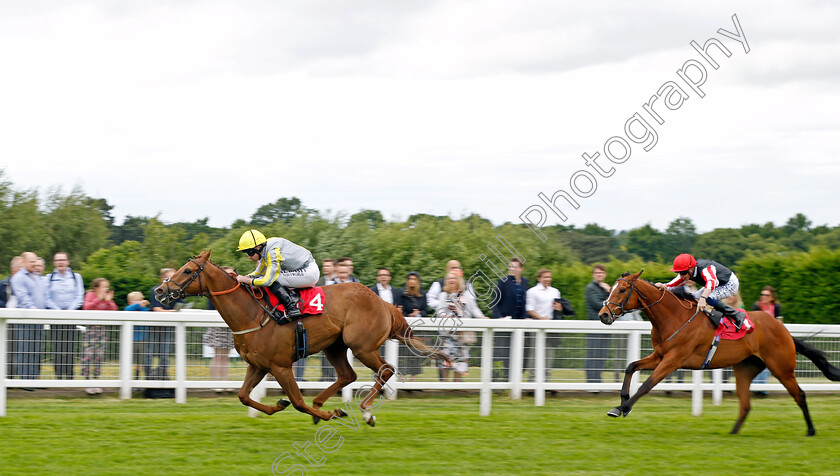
[768, 303]
[454, 304]
[100, 298]
[28, 288]
[383, 286]
[220, 339]
[434, 290]
[411, 301]
[65, 291]
[40, 266]
[597, 345]
[541, 302]
[160, 338]
[141, 345]
[343, 272]
[327, 271]
[7, 299]
[511, 305]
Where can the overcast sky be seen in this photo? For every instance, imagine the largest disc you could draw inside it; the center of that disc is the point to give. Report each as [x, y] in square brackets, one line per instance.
[193, 109]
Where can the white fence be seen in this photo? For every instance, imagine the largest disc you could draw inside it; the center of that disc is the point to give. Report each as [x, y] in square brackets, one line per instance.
[555, 356]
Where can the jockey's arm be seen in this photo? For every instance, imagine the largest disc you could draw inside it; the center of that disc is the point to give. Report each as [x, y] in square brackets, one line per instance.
[710, 275]
[270, 270]
[675, 282]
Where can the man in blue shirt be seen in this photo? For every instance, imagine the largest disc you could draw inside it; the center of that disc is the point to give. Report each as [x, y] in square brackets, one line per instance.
[29, 291]
[65, 291]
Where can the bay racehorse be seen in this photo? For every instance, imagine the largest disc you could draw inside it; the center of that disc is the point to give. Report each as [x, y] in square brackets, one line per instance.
[353, 317]
[681, 341]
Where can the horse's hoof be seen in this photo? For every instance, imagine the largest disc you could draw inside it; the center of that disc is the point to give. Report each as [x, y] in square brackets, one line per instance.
[315, 420]
[340, 412]
[615, 412]
[369, 419]
[283, 403]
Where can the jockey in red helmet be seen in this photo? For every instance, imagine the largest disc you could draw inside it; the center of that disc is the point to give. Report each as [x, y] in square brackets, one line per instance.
[716, 281]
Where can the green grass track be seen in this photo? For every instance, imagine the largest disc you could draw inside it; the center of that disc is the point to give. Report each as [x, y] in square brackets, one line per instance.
[439, 435]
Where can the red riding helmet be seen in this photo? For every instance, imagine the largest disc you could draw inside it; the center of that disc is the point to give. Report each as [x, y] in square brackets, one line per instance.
[683, 262]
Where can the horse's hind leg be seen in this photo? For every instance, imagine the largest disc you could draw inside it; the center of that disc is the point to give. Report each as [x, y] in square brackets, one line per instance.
[648, 363]
[745, 372]
[253, 376]
[784, 372]
[337, 355]
[285, 377]
[383, 371]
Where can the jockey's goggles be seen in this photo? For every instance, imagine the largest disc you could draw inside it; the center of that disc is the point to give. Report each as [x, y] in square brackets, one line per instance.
[250, 252]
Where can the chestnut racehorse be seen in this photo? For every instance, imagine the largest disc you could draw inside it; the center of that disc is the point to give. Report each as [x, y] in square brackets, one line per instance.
[682, 342]
[354, 317]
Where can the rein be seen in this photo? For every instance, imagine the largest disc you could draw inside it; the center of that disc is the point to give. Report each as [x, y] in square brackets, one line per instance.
[686, 323]
[627, 297]
[180, 294]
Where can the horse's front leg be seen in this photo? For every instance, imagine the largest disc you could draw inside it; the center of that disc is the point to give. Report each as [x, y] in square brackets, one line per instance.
[286, 379]
[662, 367]
[648, 363]
[253, 376]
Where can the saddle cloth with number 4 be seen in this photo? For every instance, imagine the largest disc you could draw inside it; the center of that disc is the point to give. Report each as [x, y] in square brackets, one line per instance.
[311, 300]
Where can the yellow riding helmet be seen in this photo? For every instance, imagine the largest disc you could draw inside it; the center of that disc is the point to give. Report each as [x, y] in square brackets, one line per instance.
[250, 239]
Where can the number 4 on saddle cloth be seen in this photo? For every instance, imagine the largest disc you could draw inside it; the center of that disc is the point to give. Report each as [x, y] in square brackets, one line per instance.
[311, 300]
[726, 330]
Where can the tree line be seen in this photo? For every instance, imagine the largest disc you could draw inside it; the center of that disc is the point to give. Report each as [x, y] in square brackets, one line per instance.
[800, 260]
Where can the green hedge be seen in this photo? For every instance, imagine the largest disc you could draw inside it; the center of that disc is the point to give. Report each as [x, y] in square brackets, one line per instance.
[806, 283]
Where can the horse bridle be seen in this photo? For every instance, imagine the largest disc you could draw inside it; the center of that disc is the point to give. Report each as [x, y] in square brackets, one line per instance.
[180, 293]
[623, 302]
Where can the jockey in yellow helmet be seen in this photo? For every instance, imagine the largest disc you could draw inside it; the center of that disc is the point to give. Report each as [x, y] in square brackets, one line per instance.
[281, 264]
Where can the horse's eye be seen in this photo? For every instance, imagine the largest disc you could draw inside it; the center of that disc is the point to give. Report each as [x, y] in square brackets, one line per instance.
[621, 291]
[187, 271]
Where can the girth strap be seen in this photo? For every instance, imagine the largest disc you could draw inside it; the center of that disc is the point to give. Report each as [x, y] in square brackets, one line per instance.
[711, 353]
[301, 341]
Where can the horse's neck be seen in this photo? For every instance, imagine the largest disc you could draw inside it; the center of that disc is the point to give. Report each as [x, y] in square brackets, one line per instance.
[238, 309]
[666, 312]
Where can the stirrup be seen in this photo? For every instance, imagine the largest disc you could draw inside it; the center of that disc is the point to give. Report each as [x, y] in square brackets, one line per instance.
[280, 318]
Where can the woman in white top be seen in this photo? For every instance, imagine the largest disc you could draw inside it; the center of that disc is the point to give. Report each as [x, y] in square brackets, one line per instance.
[455, 303]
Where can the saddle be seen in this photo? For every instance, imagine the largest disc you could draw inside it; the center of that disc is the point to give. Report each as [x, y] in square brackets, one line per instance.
[725, 329]
[312, 300]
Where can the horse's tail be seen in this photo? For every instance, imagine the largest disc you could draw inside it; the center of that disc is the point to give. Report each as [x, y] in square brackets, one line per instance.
[818, 358]
[401, 331]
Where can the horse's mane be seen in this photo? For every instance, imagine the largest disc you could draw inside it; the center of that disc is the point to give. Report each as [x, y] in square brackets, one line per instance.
[208, 260]
[679, 293]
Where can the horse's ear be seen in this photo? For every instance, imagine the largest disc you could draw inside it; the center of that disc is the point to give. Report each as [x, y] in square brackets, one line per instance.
[640, 272]
[205, 254]
[636, 276]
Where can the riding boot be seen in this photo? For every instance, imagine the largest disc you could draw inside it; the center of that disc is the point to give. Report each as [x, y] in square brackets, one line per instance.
[290, 302]
[734, 315]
